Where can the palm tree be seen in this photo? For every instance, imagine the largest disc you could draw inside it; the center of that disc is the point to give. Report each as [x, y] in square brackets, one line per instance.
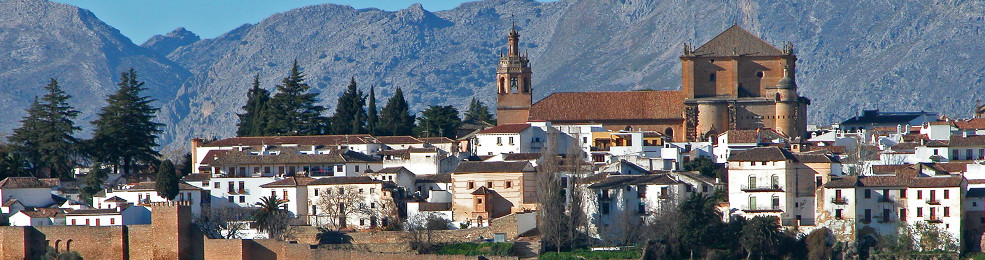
[271, 217]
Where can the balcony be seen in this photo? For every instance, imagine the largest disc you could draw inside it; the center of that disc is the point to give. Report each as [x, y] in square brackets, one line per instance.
[839, 200]
[934, 219]
[762, 188]
[933, 202]
[238, 191]
[886, 199]
[749, 209]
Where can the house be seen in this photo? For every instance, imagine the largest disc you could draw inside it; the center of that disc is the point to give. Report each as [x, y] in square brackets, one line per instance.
[38, 217]
[291, 160]
[516, 138]
[874, 118]
[871, 207]
[144, 193]
[293, 191]
[402, 177]
[27, 191]
[486, 190]
[352, 202]
[420, 161]
[735, 141]
[772, 181]
[434, 188]
[616, 203]
[203, 151]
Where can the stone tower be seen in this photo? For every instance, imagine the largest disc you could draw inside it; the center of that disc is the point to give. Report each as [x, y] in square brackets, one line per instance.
[513, 89]
[738, 81]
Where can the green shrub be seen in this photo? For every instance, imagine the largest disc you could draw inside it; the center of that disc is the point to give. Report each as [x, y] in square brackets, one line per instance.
[477, 249]
[588, 254]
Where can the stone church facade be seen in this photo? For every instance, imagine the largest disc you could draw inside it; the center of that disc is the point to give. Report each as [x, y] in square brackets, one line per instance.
[734, 81]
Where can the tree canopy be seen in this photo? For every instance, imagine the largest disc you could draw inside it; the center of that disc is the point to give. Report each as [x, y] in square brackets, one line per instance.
[438, 121]
[292, 110]
[395, 118]
[126, 133]
[252, 121]
[479, 111]
[46, 138]
[167, 180]
[372, 113]
[350, 118]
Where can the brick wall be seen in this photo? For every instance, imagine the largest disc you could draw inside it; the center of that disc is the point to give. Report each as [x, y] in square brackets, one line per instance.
[90, 242]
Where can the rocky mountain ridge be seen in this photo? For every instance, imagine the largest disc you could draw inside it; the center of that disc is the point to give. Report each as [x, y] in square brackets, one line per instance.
[892, 55]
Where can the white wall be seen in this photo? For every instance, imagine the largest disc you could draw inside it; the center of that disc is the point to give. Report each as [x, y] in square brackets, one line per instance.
[30, 197]
[103, 220]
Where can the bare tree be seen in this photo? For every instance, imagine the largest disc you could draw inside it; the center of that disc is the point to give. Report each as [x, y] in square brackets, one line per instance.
[577, 217]
[421, 229]
[223, 223]
[551, 220]
[338, 205]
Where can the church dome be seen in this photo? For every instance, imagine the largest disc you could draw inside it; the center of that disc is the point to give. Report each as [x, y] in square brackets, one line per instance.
[786, 83]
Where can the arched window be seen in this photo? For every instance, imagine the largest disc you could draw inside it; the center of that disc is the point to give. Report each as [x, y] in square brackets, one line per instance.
[775, 202]
[57, 243]
[777, 97]
[513, 85]
[775, 181]
[68, 245]
[669, 132]
[526, 85]
[752, 182]
[502, 85]
[752, 202]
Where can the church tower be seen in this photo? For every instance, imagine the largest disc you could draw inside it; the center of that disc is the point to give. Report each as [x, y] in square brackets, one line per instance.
[513, 90]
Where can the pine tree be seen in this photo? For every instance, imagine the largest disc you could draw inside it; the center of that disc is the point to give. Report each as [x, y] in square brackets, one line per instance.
[251, 123]
[373, 117]
[126, 133]
[167, 180]
[479, 111]
[438, 121]
[45, 137]
[292, 111]
[350, 117]
[395, 118]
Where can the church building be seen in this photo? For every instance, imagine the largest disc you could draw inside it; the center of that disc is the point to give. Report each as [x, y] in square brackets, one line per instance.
[734, 81]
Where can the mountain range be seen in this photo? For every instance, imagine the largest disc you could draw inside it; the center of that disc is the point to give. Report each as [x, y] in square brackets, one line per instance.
[903, 55]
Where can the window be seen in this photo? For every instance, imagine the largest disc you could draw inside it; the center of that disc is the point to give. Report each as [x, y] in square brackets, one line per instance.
[242, 199]
[868, 193]
[584, 140]
[902, 214]
[339, 168]
[242, 187]
[775, 181]
[604, 208]
[328, 192]
[266, 169]
[357, 168]
[511, 140]
[499, 140]
[361, 190]
[314, 210]
[489, 184]
[73, 222]
[273, 193]
[704, 188]
[97, 222]
[112, 221]
[776, 202]
[933, 196]
[968, 154]
[759, 74]
[752, 202]
[711, 77]
[954, 154]
[935, 151]
[285, 194]
[838, 214]
[947, 194]
[362, 222]
[947, 211]
[752, 182]
[509, 184]
[242, 171]
[919, 212]
[868, 215]
[902, 193]
[919, 194]
[341, 191]
[885, 215]
[215, 185]
[478, 201]
[231, 188]
[231, 200]
[316, 192]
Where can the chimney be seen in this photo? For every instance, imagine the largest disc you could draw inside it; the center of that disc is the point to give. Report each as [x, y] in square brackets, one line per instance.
[196, 142]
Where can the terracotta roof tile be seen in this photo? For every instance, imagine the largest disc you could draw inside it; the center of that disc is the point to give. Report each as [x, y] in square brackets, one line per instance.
[290, 155]
[491, 167]
[482, 190]
[896, 181]
[760, 154]
[888, 169]
[303, 140]
[150, 186]
[618, 181]
[521, 156]
[506, 129]
[293, 181]
[398, 140]
[389, 170]
[437, 140]
[434, 178]
[27, 182]
[971, 140]
[212, 155]
[44, 213]
[428, 206]
[344, 180]
[971, 124]
[603, 106]
[736, 41]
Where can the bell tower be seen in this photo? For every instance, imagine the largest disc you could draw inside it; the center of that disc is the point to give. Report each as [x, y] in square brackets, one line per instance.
[513, 89]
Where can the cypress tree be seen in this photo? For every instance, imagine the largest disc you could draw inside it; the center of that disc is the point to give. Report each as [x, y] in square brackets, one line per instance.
[479, 111]
[167, 180]
[292, 111]
[350, 116]
[372, 118]
[395, 118]
[438, 121]
[45, 137]
[252, 123]
[126, 133]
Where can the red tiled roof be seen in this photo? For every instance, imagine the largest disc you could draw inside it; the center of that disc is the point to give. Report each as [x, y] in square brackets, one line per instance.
[305, 140]
[506, 129]
[344, 180]
[752, 136]
[437, 140]
[602, 106]
[44, 212]
[941, 123]
[971, 140]
[896, 181]
[398, 140]
[736, 41]
[888, 169]
[212, 155]
[293, 181]
[971, 124]
[28, 182]
[149, 186]
[762, 154]
[491, 167]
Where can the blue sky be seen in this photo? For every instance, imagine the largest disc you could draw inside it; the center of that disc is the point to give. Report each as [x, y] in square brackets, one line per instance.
[141, 19]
